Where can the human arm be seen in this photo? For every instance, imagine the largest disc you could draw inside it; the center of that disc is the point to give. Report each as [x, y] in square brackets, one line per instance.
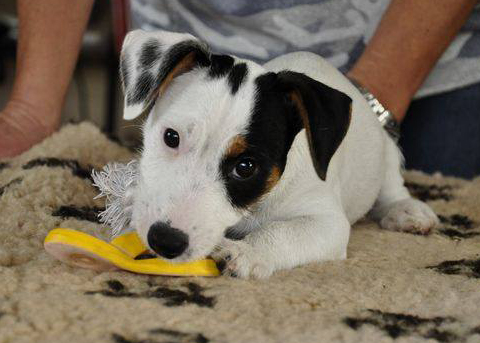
[409, 40]
[50, 36]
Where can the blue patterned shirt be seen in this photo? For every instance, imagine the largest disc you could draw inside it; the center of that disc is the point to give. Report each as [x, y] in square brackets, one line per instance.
[337, 30]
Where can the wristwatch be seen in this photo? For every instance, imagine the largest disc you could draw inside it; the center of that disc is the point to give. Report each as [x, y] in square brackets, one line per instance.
[384, 116]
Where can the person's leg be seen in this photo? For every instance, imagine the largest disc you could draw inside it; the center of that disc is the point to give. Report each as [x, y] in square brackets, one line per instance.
[50, 36]
[442, 133]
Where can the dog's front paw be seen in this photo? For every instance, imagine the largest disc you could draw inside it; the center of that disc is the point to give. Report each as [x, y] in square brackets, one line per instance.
[410, 215]
[241, 259]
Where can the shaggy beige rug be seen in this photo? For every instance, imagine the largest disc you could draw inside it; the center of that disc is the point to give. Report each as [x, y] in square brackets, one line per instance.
[393, 286]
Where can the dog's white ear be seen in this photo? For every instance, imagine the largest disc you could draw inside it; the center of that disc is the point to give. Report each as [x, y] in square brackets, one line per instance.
[150, 61]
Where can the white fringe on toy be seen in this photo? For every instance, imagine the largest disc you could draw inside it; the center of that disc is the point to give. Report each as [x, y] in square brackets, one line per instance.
[115, 182]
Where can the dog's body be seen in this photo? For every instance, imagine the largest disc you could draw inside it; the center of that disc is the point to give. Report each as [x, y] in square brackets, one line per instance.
[233, 114]
[357, 168]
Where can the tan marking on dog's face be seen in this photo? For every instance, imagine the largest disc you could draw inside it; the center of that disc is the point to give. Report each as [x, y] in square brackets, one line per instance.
[183, 66]
[297, 100]
[270, 183]
[272, 179]
[237, 146]
[350, 109]
[302, 111]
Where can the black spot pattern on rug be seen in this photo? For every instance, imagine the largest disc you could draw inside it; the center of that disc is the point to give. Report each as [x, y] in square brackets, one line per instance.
[117, 338]
[164, 336]
[81, 213]
[397, 324]
[116, 286]
[11, 183]
[457, 226]
[430, 192]
[53, 162]
[3, 165]
[175, 297]
[469, 268]
[121, 339]
[115, 289]
[179, 336]
[172, 297]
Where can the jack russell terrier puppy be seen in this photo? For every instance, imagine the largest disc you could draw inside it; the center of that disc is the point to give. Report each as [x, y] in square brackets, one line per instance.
[262, 167]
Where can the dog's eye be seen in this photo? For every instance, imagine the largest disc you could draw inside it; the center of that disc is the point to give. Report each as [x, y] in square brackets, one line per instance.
[171, 138]
[244, 168]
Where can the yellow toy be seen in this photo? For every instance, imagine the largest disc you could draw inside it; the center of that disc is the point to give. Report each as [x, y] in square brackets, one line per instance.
[116, 183]
[82, 250]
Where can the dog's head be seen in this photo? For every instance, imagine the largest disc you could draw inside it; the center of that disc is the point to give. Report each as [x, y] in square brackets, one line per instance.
[216, 137]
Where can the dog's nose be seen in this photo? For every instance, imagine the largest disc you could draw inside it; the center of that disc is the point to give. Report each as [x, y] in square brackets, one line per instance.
[167, 241]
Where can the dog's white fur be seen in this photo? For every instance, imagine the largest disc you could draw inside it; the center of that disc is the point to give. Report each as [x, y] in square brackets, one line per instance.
[302, 219]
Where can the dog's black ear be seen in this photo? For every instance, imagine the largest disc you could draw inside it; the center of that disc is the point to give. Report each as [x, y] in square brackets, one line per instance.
[324, 112]
[151, 60]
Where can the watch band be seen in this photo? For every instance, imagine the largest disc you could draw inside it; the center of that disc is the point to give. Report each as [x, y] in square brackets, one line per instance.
[385, 117]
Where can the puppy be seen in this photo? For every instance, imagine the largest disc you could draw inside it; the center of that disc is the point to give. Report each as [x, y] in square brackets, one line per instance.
[263, 167]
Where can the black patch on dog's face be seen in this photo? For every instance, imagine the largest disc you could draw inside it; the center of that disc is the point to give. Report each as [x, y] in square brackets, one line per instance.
[150, 53]
[224, 65]
[237, 76]
[469, 268]
[269, 137]
[220, 65]
[80, 213]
